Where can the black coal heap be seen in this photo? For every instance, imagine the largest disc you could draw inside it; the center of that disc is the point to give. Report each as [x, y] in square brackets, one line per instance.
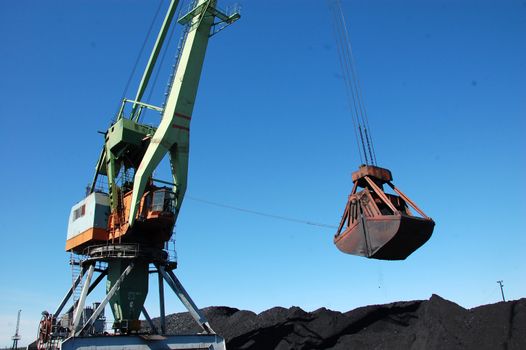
[424, 324]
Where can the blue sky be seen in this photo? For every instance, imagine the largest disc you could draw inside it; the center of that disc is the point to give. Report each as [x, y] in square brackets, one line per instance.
[444, 88]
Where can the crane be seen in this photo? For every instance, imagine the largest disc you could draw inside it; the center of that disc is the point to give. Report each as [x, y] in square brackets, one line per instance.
[121, 230]
[140, 211]
[17, 336]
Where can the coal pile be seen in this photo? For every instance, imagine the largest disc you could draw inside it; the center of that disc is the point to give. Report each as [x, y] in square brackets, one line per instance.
[423, 324]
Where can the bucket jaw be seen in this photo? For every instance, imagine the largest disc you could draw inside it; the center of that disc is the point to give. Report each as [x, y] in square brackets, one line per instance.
[379, 225]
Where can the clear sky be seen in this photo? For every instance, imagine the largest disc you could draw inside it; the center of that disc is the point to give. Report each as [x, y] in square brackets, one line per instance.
[271, 132]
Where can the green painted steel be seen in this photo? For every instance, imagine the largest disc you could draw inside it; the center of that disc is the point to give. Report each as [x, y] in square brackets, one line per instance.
[172, 135]
[126, 304]
[130, 145]
[155, 52]
[124, 147]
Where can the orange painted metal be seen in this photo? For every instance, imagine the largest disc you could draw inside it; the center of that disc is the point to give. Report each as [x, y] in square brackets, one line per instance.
[151, 227]
[380, 225]
[91, 236]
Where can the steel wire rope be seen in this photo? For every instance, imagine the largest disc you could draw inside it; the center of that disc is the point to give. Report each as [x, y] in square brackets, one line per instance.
[351, 71]
[161, 62]
[346, 42]
[349, 98]
[352, 81]
[349, 88]
[356, 85]
[343, 67]
[342, 49]
[255, 212]
[357, 82]
[347, 73]
[137, 59]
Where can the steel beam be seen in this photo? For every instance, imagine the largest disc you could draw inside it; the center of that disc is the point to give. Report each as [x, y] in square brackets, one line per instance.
[407, 199]
[150, 322]
[98, 167]
[364, 229]
[93, 286]
[80, 306]
[161, 303]
[155, 52]
[102, 305]
[381, 194]
[69, 293]
[183, 295]
[172, 134]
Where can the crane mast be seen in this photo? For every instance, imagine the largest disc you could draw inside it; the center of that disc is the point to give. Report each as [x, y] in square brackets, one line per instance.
[17, 336]
[125, 226]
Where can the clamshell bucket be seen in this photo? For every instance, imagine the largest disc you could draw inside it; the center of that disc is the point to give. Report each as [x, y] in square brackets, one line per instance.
[378, 225]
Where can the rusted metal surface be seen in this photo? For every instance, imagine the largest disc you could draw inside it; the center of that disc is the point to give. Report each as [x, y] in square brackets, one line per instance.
[381, 174]
[407, 199]
[379, 225]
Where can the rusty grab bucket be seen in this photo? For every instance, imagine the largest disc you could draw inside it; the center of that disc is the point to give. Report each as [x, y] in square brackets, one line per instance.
[378, 225]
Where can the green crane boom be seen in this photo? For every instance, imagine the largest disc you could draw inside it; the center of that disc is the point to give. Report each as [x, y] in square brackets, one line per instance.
[130, 144]
[172, 135]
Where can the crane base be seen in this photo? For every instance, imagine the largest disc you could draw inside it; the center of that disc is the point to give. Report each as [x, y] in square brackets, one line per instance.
[144, 342]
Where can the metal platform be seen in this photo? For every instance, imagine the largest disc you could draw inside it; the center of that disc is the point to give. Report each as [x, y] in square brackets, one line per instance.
[124, 259]
[144, 342]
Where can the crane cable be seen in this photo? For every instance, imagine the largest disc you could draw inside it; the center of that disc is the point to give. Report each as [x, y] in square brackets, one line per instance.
[138, 58]
[161, 62]
[352, 83]
[125, 90]
[255, 212]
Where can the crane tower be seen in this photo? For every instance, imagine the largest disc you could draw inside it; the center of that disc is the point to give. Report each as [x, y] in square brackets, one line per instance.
[17, 336]
[121, 230]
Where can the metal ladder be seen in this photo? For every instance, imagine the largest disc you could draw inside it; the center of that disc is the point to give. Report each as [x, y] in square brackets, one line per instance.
[76, 269]
[177, 58]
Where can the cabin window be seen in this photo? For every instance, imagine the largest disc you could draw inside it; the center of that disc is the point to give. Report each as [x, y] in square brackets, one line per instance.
[158, 200]
[163, 200]
[79, 212]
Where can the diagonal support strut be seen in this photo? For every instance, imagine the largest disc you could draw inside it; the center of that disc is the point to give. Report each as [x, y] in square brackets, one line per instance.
[149, 319]
[110, 294]
[70, 292]
[182, 294]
